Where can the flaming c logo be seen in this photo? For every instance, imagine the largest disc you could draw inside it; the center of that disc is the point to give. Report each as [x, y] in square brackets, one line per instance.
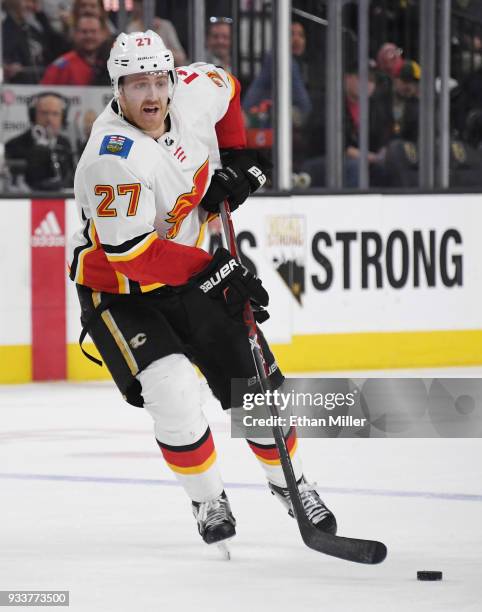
[187, 201]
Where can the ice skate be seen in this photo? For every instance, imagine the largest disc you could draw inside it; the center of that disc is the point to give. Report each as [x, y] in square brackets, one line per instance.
[315, 509]
[215, 522]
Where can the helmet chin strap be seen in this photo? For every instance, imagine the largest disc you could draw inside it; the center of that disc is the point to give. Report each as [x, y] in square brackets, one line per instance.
[119, 108]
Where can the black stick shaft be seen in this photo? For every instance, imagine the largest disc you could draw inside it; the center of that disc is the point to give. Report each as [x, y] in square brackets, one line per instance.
[350, 549]
[262, 374]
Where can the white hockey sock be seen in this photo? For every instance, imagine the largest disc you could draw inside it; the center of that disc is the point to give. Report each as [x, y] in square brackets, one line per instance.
[172, 396]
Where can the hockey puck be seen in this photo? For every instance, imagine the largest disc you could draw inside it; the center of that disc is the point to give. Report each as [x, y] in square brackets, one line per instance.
[425, 575]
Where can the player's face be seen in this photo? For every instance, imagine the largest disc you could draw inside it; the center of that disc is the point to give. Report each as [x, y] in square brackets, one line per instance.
[143, 99]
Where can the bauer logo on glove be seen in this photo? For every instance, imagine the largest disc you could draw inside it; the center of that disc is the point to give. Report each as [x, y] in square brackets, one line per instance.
[225, 278]
[258, 175]
[219, 276]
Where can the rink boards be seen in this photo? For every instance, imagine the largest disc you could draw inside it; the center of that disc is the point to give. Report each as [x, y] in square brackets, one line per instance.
[369, 281]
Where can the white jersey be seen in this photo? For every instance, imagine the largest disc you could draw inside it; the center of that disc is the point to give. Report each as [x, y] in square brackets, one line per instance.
[138, 197]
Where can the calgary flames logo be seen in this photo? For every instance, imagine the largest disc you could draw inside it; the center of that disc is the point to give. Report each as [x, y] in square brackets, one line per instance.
[187, 201]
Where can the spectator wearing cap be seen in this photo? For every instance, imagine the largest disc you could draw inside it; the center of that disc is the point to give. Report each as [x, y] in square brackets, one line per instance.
[401, 154]
[86, 64]
[218, 42]
[406, 101]
[380, 127]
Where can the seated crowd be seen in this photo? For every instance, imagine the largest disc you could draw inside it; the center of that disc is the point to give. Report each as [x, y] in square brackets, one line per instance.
[43, 43]
[54, 43]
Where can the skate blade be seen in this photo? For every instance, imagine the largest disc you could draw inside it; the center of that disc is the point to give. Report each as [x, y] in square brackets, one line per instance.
[224, 549]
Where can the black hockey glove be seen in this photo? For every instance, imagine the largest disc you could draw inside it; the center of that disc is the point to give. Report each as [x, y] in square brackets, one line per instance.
[244, 171]
[225, 278]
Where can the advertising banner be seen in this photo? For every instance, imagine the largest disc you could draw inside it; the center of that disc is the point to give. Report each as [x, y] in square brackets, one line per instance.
[369, 263]
[48, 290]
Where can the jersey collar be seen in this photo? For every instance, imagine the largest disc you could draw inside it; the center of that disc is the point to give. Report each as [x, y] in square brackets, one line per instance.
[173, 133]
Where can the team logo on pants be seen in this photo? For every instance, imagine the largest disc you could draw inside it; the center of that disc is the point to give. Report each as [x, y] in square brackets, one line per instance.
[138, 340]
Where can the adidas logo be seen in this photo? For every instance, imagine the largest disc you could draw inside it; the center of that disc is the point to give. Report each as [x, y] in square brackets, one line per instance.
[48, 233]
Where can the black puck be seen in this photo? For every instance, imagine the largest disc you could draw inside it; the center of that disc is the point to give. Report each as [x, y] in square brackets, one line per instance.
[425, 575]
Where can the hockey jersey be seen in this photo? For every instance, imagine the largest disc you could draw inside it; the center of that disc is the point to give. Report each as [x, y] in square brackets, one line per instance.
[138, 198]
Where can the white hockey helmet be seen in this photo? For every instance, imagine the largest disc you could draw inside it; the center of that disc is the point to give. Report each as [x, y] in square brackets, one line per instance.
[140, 52]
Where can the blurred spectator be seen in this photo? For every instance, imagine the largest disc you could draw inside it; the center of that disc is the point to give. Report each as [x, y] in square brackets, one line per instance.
[380, 128]
[163, 27]
[218, 42]
[260, 89]
[29, 41]
[59, 13]
[388, 64]
[473, 128]
[380, 131]
[298, 39]
[406, 101]
[389, 59]
[41, 154]
[86, 64]
[401, 158]
[83, 126]
[396, 20]
[91, 8]
[466, 100]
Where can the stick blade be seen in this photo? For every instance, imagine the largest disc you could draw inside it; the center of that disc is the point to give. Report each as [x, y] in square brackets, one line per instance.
[370, 552]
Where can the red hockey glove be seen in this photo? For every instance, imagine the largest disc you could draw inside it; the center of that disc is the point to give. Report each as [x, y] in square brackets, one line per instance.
[244, 171]
[225, 278]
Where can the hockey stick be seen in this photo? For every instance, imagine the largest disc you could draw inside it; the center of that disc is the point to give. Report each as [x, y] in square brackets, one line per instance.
[350, 549]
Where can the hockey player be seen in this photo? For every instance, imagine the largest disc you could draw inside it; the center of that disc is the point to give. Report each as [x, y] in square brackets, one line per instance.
[162, 156]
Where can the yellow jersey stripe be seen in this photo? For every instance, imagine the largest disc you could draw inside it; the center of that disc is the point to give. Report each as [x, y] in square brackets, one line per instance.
[233, 86]
[143, 246]
[151, 287]
[80, 266]
[117, 335]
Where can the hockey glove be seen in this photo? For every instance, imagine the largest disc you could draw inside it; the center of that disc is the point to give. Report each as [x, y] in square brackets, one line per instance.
[225, 278]
[244, 171]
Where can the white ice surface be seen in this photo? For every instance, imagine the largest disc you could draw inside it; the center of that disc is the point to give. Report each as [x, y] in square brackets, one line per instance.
[87, 505]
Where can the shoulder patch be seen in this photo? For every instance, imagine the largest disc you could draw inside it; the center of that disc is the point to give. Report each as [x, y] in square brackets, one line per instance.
[116, 145]
[216, 78]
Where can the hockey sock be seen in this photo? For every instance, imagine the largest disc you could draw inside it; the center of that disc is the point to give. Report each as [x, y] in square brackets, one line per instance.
[171, 392]
[195, 466]
[268, 456]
